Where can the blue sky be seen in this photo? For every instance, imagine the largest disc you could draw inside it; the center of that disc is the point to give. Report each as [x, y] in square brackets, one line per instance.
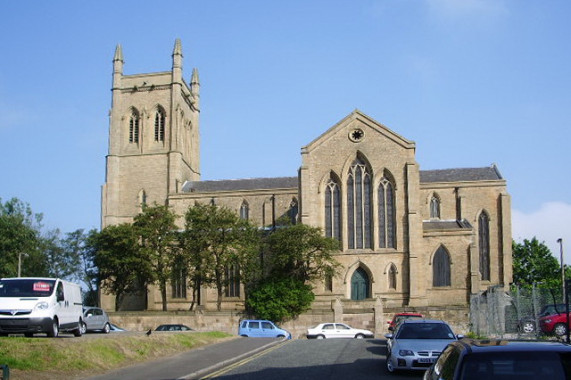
[472, 82]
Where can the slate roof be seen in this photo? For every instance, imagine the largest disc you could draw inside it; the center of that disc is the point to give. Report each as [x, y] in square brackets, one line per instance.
[241, 184]
[432, 225]
[426, 176]
[490, 173]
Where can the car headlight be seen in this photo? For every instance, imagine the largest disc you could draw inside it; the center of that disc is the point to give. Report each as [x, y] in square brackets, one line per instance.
[406, 353]
[41, 306]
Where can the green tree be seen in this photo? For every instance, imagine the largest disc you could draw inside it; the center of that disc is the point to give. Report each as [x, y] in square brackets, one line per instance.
[76, 244]
[533, 262]
[156, 230]
[302, 252]
[123, 268]
[279, 299]
[215, 238]
[20, 238]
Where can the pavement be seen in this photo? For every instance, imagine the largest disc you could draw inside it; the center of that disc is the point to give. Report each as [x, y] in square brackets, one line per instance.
[193, 364]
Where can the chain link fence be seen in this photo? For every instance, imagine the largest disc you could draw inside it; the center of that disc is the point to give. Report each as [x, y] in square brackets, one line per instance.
[496, 313]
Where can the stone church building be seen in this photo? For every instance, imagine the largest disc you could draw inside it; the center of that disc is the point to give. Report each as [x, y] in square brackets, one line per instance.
[409, 237]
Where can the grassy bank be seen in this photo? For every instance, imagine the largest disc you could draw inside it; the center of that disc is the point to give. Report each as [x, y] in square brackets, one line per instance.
[74, 358]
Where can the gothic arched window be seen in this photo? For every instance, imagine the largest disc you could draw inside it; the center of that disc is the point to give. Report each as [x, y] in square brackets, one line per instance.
[441, 268]
[393, 277]
[244, 211]
[160, 118]
[387, 214]
[434, 208]
[232, 281]
[293, 211]
[178, 280]
[134, 127]
[332, 210]
[359, 215]
[484, 245]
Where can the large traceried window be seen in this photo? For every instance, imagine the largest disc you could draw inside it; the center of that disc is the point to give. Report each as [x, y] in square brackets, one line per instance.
[333, 209]
[484, 245]
[232, 281]
[134, 127]
[359, 213]
[387, 230]
[434, 207]
[178, 281]
[441, 268]
[160, 118]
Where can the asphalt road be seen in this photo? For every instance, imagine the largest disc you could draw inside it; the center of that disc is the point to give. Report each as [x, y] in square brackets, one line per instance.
[316, 359]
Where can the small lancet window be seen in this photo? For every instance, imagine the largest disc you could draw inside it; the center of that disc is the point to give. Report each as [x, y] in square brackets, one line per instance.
[434, 208]
[393, 277]
[160, 118]
[134, 127]
[244, 211]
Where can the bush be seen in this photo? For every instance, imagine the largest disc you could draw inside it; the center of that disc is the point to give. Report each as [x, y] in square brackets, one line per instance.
[279, 299]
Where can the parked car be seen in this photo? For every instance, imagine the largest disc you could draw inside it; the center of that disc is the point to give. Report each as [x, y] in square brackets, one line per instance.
[528, 323]
[417, 343]
[95, 319]
[469, 359]
[399, 317]
[554, 324]
[337, 330]
[115, 328]
[261, 329]
[173, 327]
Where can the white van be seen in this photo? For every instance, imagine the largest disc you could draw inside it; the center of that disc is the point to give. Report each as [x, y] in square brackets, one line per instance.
[40, 305]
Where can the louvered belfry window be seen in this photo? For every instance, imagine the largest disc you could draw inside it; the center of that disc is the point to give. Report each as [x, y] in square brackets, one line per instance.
[134, 127]
[160, 118]
[359, 213]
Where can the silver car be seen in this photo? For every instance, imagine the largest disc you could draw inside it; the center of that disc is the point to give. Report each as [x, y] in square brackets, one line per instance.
[95, 319]
[417, 343]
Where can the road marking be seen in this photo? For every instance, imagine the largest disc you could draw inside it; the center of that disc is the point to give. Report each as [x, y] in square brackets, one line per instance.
[243, 361]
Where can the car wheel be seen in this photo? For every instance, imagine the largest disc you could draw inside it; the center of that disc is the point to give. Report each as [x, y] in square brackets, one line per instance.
[390, 367]
[528, 327]
[106, 328]
[560, 329]
[79, 330]
[359, 336]
[53, 332]
[83, 327]
[320, 336]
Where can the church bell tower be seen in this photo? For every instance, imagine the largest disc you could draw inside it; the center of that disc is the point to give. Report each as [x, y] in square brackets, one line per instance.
[154, 138]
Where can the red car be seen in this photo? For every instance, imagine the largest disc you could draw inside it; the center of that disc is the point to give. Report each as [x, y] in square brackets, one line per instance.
[556, 323]
[399, 317]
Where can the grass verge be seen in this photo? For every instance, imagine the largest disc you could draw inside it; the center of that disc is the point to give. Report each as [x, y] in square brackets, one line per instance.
[70, 358]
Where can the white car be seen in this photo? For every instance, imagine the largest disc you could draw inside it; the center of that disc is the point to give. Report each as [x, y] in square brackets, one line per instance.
[337, 330]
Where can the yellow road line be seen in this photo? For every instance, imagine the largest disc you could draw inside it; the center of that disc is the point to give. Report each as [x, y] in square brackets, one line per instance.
[244, 361]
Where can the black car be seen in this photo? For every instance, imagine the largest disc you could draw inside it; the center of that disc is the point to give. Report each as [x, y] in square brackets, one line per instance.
[469, 359]
[173, 327]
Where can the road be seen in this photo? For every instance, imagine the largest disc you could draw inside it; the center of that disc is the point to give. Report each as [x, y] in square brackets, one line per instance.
[316, 359]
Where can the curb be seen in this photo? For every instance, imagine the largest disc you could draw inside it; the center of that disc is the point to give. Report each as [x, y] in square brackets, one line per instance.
[222, 364]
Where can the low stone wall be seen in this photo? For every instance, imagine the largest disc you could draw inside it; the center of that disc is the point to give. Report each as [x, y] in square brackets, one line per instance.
[226, 321]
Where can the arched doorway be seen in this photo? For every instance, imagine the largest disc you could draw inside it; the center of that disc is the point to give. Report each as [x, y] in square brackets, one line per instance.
[359, 285]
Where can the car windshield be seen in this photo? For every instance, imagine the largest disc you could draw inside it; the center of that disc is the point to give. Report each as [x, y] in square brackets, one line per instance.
[516, 365]
[26, 288]
[424, 331]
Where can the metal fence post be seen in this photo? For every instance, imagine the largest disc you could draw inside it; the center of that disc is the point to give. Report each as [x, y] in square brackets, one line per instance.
[5, 372]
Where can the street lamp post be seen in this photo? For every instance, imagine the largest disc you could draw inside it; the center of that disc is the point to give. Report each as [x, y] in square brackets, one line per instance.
[560, 241]
[20, 262]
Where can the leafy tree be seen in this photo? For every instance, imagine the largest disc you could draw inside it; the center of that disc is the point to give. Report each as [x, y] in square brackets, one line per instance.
[156, 230]
[62, 262]
[534, 263]
[215, 239]
[302, 252]
[279, 299]
[123, 268]
[20, 237]
[76, 244]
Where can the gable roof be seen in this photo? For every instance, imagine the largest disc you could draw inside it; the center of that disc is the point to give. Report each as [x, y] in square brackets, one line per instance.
[241, 184]
[490, 173]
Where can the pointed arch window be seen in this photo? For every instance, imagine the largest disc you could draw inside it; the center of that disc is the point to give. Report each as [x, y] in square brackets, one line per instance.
[178, 280]
[441, 268]
[293, 211]
[387, 214]
[484, 245]
[434, 207]
[393, 277]
[244, 211]
[160, 118]
[359, 223]
[232, 281]
[142, 199]
[332, 209]
[360, 285]
[134, 127]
